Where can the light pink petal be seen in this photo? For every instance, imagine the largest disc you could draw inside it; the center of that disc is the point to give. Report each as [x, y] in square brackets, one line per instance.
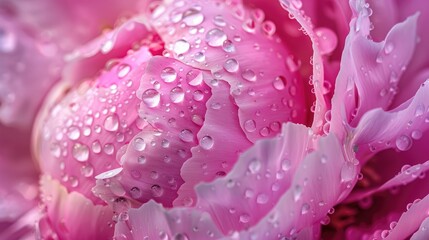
[81, 130]
[72, 215]
[28, 68]
[69, 23]
[239, 47]
[323, 178]
[221, 140]
[87, 60]
[423, 232]
[152, 221]
[173, 103]
[261, 176]
[370, 71]
[379, 130]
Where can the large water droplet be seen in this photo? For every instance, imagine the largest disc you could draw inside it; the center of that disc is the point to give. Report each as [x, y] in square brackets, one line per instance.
[73, 133]
[194, 77]
[139, 144]
[403, 143]
[215, 37]
[249, 75]
[151, 98]
[111, 123]
[168, 74]
[231, 65]
[206, 142]
[250, 126]
[177, 95]
[186, 135]
[181, 46]
[279, 83]
[228, 46]
[80, 152]
[193, 17]
[327, 40]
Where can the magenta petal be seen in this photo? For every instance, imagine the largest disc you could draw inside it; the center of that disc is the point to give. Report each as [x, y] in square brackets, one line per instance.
[79, 135]
[261, 176]
[243, 50]
[151, 221]
[72, 215]
[221, 140]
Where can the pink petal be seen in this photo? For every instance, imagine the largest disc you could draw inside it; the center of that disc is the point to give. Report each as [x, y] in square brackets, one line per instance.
[264, 89]
[24, 59]
[423, 232]
[258, 180]
[85, 61]
[151, 221]
[72, 215]
[221, 140]
[78, 136]
[173, 102]
[324, 177]
[379, 130]
[370, 71]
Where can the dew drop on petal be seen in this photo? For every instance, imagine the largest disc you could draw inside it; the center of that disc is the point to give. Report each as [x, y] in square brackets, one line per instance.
[228, 46]
[215, 37]
[231, 65]
[192, 17]
[80, 152]
[186, 135]
[157, 190]
[73, 133]
[139, 144]
[206, 142]
[109, 174]
[279, 83]
[181, 46]
[194, 77]
[262, 198]
[250, 126]
[177, 95]
[151, 98]
[168, 74]
[249, 75]
[123, 70]
[327, 40]
[403, 143]
[111, 123]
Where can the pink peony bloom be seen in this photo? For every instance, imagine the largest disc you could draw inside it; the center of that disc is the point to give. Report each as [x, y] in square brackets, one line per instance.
[227, 119]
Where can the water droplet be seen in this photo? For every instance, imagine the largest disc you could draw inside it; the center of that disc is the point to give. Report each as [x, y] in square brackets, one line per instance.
[107, 46]
[139, 144]
[264, 131]
[177, 95]
[250, 126]
[228, 46]
[388, 48]
[80, 152]
[194, 77]
[123, 70]
[286, 165]
[141, 159]
[168, 74]
[279, 83]
[348, 172]
[198, 95]
[73, 133]
[186, 135]
[262, 199]
[206, 142]
[181, 236]
[420, 110]
[249, 75]
[111, 123]
[269, 28]
[199, 57]
[55, 150]
[135, 192]
[231, 65]
[157, 191]
[109, 149]
[197, 119]
[151, 98]
[181, 46]
[305, 208]
[192, 17]
[219, 21]
[215, 37]
[109, 174]
[87, 170]
[297, 192]
[403, 143]
[416, 134]
[244, 218]
[327, 40]
[255, 166]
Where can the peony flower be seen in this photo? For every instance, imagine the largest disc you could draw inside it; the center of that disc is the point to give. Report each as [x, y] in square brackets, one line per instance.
[229, 119]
